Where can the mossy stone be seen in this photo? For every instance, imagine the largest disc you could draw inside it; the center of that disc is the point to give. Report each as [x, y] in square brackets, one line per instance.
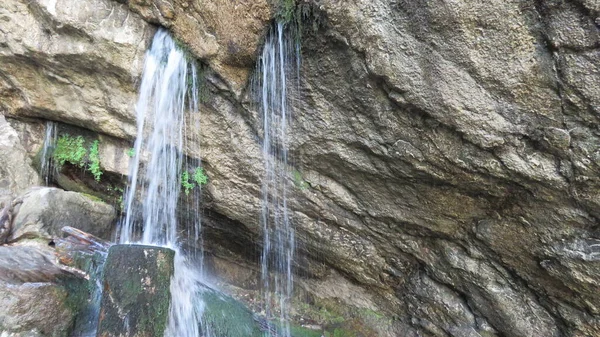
[136, 296]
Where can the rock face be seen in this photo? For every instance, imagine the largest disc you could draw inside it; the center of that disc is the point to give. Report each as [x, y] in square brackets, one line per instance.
[135, 298]
[225, 34]
[51, 53]
[447, 151]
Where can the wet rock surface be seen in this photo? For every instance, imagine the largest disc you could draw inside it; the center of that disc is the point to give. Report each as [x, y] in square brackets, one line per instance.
[446, 152]
[136, 296]
[34, 310]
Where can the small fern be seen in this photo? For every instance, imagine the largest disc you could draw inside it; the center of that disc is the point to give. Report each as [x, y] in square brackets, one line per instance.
[190, 181]
[72, 150]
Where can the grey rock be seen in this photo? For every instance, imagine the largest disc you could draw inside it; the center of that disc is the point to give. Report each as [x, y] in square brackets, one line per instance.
[16, 172]
[34, 310]
[43, 211]
[72, 62]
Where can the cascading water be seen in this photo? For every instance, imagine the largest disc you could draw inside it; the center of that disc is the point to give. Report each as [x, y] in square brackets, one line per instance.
[168, 89]
[276, 64]
[159, 111]
[46, 163]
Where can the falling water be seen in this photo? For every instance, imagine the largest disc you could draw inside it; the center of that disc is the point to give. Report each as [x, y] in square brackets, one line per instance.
[168, 90]
[159, 112]
[46, 163]
[276, 63]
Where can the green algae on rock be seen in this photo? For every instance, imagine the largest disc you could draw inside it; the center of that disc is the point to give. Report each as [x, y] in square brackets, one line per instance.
[136, 296]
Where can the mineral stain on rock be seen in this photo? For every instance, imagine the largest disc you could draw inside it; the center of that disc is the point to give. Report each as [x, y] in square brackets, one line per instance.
[136, 296]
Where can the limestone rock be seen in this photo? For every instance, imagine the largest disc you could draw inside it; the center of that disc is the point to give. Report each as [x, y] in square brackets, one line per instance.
[34, 310]
[16, 172]
[74, 62]
[43, 212]
[136, 296]
[226, 34]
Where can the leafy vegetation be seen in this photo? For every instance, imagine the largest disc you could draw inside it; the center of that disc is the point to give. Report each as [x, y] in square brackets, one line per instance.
[285, 11]
[131, 152]
[72, 150]
[94, 161]
[190, 181]
[186, 183]
[199, 176]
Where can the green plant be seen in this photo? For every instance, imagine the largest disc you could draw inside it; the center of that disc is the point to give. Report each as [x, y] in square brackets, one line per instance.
[196, 178]
[185, 182]
[131, 152]
[285, 11]
[199, 177]
[70, 150]
[94, 161]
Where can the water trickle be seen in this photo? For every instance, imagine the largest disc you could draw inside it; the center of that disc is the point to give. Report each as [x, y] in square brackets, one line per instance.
[275, 70]
[46, 163]
[167, 92]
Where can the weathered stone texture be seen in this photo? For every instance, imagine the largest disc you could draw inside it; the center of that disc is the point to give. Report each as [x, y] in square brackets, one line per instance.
[136, 296]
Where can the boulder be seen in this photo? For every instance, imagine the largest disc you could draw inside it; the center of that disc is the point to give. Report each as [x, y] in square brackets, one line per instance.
[34, 310]
[136, 296]
[16, 172]
[43, 211]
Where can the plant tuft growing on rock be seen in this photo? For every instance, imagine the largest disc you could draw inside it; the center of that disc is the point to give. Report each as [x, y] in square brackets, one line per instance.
[72, 150]
[190, 181]
[94, 162]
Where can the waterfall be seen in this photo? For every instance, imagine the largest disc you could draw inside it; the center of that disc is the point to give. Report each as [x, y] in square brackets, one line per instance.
[275, 68]
[46, 163]
[160, 113]
[168, 90]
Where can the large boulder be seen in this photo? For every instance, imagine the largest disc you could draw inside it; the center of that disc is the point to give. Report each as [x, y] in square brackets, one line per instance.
[16, 172]
[136, 296]
[43, 211]
[34, 310]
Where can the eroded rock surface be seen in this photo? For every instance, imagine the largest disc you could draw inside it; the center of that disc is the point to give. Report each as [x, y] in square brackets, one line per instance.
[43, 212]
[73, 62]
[446, 152]
[136, 296]
[225, 34]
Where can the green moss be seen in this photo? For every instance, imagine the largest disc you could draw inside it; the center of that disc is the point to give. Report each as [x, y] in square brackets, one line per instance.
[226, 317]
[92, 197]
[299, 181]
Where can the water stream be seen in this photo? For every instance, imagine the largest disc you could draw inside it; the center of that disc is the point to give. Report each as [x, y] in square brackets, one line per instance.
[276, 66]
[168, 91]
[46, 161]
